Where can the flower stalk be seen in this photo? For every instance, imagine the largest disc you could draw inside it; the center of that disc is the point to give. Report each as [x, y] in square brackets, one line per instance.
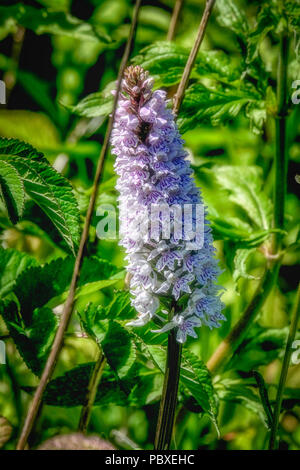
[284, 371]
[168, 402]
[95, 378]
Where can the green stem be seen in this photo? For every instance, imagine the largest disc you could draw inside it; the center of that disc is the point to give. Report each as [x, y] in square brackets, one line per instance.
[229, 345]
[280, 152]
[174, 20]
[284, 370]
[96, 375]
[168, 402]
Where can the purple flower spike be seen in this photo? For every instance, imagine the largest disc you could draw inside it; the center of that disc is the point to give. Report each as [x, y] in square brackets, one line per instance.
[153, 170]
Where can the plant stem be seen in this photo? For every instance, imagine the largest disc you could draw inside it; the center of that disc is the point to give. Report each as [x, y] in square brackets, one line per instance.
[96, 375]
[192, 57]
[229, 345]
[68, 308]
[168, 402]
[174, 20]
[280, 152]
[284, 370]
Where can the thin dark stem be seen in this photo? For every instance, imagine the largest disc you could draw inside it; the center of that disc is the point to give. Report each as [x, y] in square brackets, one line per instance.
[229, 345]
[280, 153]
[284, 370]
[192, 57]
[264, 397]
[168, 402]
[68, 308]
[96, 375]
[174, 20]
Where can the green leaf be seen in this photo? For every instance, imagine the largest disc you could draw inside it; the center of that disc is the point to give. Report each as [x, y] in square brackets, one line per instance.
[208, 105]
[292, 10]
[51, 191]
[34, 340]
[267, 20]
[256, 112]
[166, 60]
[114, 339]
[12, 191]
[146, 389]
[245, 189]
[43, 21]
[238, 231]
[262, 347]
[240, 264]
[235, 391]
[12, 264]
[120, 307]
[70, 389]
[95, 104]
[195, 376]
[232, 17]
[36, 286]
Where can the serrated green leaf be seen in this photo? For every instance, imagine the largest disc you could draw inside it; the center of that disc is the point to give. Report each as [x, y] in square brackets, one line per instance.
[119, 349]
[51, 191]
[33, 341]
[114, 339]
[292, 11]
[166, 60]
[70, 389]
[120, 307]
[12, 264]
[267, 20]
[240, 264]
[43, 21]
[12, 191]
[232, 17]
[202, 104]
[38, 285]
[195, 376]
[245, 189]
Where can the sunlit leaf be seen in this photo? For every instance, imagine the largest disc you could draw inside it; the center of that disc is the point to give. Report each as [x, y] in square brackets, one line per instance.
[51, 191]
[11, 191]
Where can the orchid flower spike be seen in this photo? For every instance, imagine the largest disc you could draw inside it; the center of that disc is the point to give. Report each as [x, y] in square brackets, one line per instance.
[156, 187]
